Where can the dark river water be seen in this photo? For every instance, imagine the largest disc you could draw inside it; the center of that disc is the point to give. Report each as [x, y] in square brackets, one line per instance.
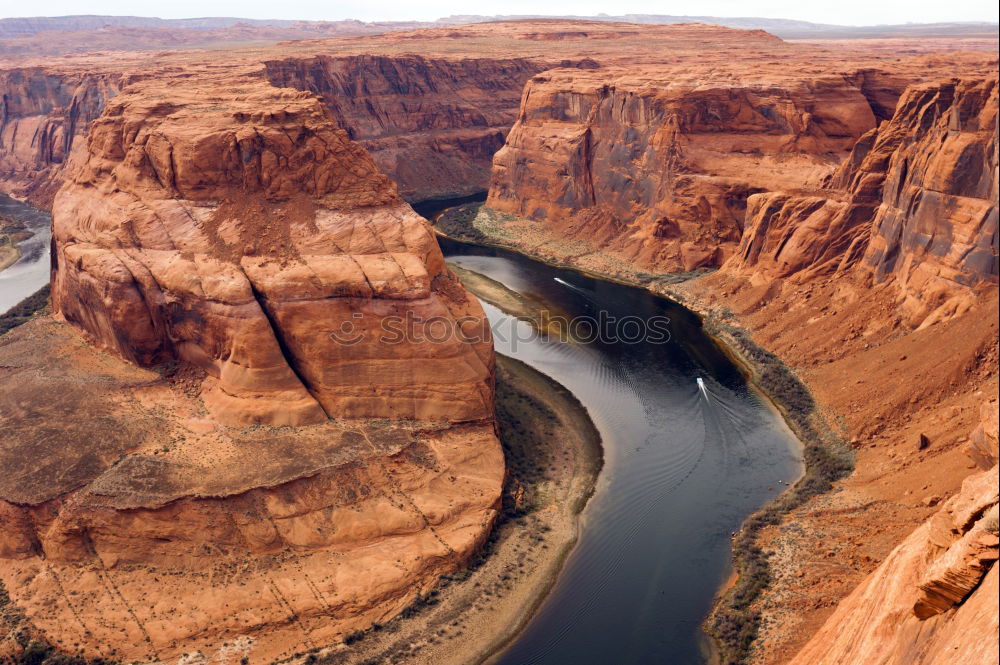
[683, 468]
[31, 272]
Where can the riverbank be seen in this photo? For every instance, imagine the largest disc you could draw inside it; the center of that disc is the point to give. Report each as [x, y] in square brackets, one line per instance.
[25, 235]
[879, 387]
[9, 254]
[735, 621]
[553, 455]
[37, 304]
[474, 223]
[537, 314]
[12, 232]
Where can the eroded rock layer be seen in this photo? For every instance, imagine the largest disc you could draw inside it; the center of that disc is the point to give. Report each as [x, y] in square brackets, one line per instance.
[880, 289]
[43, 116]
[432, 125]
[915, 203]
[933, 599]
[432, 106]
[138, 528]
[247, 235]
[657, 167]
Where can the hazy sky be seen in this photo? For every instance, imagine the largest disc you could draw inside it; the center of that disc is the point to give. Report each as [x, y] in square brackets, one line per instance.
[846, 12]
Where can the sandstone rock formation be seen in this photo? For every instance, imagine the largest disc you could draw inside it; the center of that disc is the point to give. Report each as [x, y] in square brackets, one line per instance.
[915, 202]
[137, 528]
[433, 105]
[880, 289]
[244, 234]
[658, 166]
[933, 599]
[653, 166]
[983, 446]
[313, 445]
[43, 116]
[432, 125]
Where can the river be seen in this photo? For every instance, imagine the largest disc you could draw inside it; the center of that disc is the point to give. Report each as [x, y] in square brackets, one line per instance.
[31, 271]
[683, 468]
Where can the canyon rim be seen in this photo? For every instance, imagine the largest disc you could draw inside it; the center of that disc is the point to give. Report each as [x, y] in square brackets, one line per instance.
[197, 468]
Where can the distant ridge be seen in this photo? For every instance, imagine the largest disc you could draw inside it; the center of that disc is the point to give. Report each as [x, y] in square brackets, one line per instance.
[784, 28]
[10, 27]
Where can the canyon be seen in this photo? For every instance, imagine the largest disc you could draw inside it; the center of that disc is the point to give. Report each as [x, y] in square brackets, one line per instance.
[857, 241]
[863, 285]
[655, 171]
[217, 226]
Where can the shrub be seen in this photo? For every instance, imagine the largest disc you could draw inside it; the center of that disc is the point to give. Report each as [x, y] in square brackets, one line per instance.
[354, 636]
[35, 653]
[457, 223]
[24, 310]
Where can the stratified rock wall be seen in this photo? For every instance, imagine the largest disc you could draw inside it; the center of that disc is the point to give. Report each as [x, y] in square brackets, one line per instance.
[43, 117]
[935, 231]
[915, 202]
[136, 527]
[295, 421]
[934, 598]
[879, 288]
[658, 167]
[431, 124]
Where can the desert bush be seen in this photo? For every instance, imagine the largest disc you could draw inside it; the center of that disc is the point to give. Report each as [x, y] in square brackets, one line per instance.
[990, 520]
[24, 310]
[35, 653]
[354, 636]
[457, 223]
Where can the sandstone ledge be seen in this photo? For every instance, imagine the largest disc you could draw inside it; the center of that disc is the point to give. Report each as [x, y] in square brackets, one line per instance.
[286, 538]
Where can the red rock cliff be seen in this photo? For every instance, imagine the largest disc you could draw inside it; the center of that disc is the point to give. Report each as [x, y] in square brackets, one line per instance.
[294, 421]
[933, 599]
[431, 124]
[657, 166]
[43, 116]
[915, 202]
[242, 233]
[879, 289]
